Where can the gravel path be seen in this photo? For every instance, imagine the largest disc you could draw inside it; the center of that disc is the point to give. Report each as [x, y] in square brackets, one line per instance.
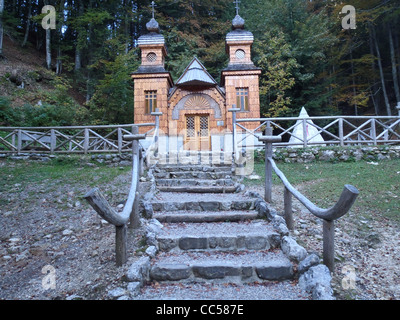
[205, 291]
[236, 258]
[208, 229]
[185, 197]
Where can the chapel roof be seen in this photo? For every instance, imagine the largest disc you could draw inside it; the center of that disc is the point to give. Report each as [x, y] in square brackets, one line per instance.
[196, 74]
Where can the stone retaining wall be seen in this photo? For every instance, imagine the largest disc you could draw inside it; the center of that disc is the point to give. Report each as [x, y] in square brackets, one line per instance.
[289, 155]
[334, 154]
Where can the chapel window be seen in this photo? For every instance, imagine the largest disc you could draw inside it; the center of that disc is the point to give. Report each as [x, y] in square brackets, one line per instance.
[242, 99]
[150, 101]
[151, 57]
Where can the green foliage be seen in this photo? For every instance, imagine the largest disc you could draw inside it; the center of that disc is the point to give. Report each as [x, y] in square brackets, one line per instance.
[112, 101]
[47, 115]
[307, 58]
[8, 116]
[292, 46]
[276, 61]
[56, 108]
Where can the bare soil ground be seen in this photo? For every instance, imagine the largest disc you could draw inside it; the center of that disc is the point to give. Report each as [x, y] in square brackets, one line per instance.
[48, 224]
[367, 252]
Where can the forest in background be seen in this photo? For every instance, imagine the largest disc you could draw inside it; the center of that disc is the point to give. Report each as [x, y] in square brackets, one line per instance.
[306, 56]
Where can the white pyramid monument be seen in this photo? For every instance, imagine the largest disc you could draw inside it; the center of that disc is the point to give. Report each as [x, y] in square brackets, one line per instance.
[311, 131]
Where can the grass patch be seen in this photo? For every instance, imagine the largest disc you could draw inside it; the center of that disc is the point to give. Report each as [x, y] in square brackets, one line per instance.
[323, 182]
[67, 171]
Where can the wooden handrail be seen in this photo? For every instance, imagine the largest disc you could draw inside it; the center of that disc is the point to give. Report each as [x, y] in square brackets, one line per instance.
[130, 212]
[342, 206]
[103, 208]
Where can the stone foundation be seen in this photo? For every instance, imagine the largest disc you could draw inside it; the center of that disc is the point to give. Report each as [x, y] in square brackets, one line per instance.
[334, 154]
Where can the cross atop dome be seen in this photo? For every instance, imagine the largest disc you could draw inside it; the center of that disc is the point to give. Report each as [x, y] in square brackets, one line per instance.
[237, 2]
[238, 21]
[153, 5]
[152, 25]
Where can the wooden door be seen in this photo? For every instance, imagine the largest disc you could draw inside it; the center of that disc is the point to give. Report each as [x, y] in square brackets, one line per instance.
[197, 132]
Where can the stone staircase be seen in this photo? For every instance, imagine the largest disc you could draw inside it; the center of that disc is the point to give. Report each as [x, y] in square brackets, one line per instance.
[204, 231]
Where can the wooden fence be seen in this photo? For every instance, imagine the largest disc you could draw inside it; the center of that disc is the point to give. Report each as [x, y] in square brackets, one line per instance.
[78, 139]
[335, 130]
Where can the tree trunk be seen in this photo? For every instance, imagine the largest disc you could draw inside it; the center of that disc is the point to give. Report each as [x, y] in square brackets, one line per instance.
[28, 24]
[354, 81]
[78, 60]
[378, 54]
[375, 89]
[48, 48]
[48, 44]
[78, 63]
[59, 61]
[397, 46]
[1, 26]
[394, 67]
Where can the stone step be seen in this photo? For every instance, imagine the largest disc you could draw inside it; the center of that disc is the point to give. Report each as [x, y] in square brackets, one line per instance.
[178, 201]
[205, 216]
[194, 158]
[243, 266]
[194, 182]
[203, 205]
[254, 235]
[193, 175]
[180, 168]
[200, 189]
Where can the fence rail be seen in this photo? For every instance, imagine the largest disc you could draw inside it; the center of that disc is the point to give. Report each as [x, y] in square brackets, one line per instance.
[335, 130]
[72, 139]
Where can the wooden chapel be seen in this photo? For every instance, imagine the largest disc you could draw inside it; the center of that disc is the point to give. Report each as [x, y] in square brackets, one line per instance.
[195, 107]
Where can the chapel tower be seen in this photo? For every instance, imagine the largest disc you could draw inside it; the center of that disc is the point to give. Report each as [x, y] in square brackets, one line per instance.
[151, 81]
[241, 77]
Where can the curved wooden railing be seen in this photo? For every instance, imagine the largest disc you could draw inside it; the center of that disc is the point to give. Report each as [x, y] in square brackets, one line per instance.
[130, 213]
[104, 209]
[342, 206]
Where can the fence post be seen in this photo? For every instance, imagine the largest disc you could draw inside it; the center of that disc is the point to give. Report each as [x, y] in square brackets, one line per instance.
[373, 131]
[119, 140]
[134, 218]
[19, 141]
[329, 244]
[305, 133]
[268, 167]
[53, 141]
[234, 110]
[157, 114]
[268, 140]
[341, 132]
[287, 200]
[86, 141]
[120, 245]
